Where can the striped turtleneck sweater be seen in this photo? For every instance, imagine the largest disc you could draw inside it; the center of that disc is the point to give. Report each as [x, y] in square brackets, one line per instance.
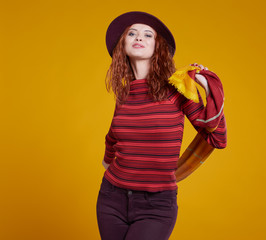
[144, 140]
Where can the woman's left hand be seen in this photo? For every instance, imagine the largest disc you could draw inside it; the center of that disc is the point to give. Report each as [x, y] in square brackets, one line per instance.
[201, 80]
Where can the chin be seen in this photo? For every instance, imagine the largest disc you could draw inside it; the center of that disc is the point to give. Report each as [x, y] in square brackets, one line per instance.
[138, 57]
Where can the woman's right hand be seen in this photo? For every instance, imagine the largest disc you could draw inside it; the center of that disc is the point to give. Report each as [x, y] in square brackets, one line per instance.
[200, 79]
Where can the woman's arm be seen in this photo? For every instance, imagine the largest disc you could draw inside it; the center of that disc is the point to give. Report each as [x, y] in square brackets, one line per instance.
[110, 141]
[217, 136]
[208, 137]
[209, 121]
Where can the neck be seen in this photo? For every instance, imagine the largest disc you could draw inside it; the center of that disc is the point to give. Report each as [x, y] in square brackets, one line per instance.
[140, 68]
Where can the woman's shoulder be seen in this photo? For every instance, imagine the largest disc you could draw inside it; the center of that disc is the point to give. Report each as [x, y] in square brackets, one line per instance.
[174, 95]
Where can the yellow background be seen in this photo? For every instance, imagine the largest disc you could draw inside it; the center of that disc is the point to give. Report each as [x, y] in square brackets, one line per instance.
[55, 113]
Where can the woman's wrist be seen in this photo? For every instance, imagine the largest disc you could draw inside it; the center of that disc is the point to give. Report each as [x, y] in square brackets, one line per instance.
[202, 81]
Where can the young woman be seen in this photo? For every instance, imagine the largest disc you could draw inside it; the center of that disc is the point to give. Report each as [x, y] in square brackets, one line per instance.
[137, 198]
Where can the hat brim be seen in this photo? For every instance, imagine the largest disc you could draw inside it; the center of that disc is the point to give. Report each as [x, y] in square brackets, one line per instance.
[119, 24]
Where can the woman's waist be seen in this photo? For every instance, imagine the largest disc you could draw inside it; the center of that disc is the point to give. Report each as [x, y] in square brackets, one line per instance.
[124, 185]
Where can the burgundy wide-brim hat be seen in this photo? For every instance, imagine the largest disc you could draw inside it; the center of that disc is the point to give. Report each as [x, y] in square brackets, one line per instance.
[119, 24]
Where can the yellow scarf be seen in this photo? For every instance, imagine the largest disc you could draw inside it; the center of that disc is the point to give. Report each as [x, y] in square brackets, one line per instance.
[184, 83]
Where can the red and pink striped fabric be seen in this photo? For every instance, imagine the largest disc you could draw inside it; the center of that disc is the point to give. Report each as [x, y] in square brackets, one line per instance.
[144, 140]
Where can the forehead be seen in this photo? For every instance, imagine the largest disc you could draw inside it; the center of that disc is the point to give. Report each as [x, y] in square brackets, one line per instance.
[142, 27]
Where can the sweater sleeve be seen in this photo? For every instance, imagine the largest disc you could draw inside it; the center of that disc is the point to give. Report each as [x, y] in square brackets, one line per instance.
[110, 141]
[217, 136]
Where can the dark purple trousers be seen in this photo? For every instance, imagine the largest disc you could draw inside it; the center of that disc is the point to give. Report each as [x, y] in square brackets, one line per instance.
[135, 215]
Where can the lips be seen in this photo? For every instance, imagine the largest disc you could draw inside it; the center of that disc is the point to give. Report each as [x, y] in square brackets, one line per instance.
[137, 45]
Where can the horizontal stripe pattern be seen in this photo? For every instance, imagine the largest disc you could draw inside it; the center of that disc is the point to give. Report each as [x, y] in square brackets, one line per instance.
[144, 140]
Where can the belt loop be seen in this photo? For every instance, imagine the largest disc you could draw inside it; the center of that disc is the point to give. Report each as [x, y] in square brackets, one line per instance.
[146, 195]
[113, 187]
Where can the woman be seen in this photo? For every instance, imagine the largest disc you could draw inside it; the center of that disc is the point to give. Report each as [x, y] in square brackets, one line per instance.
[137, 199]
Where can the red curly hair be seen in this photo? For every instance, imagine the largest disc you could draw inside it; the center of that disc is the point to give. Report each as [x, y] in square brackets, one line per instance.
[120, 74]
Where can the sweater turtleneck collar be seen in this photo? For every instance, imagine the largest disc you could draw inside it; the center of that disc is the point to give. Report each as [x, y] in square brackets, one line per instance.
[139, 85]
[136, 81]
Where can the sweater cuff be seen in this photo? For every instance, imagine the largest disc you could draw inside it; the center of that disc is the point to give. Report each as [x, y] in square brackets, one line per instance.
[109, 155]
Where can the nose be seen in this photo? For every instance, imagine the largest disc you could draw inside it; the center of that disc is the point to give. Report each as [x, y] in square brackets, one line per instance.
[138, 38]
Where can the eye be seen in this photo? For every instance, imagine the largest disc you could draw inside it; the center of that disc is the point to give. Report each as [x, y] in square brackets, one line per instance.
[131, 34]
[148, 35]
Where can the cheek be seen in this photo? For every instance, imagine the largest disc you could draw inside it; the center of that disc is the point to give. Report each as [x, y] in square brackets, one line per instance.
[127, 44]
[152, 46]
[126, 48]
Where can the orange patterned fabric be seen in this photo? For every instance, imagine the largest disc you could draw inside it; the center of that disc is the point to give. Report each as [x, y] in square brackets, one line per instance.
[196, 153]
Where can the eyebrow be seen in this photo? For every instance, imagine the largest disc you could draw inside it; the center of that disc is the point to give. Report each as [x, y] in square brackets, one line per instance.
[144, 30]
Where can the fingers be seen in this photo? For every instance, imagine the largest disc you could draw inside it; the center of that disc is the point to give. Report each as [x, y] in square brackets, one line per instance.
[201, 66]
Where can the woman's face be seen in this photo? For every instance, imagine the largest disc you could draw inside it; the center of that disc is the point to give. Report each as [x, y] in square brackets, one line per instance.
[140, 42]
